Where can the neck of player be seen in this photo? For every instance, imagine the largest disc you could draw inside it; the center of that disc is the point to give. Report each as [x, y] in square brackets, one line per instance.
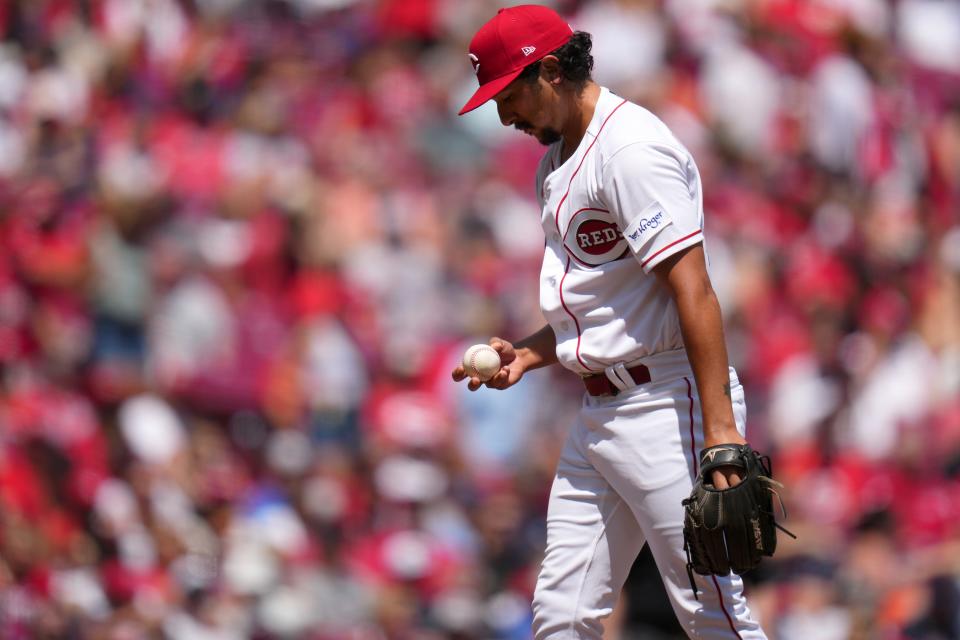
[584, 103]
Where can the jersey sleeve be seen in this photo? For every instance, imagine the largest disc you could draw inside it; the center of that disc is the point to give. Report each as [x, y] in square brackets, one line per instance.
[653, 191]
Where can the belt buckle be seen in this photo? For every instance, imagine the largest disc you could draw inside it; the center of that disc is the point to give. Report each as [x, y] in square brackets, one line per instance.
[618, 377]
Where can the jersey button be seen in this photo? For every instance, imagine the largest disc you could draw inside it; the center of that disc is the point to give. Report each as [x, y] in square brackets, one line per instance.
[564, 325]
[552, 280]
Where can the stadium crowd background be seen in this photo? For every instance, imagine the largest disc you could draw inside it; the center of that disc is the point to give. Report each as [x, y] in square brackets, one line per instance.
[242, 244]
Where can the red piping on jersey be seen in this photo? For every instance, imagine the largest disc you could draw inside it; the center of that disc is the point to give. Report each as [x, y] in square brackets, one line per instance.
[687, 237]
[693, 441]
[576, 323]
[557, 221]
[723, 608]
[585, 153]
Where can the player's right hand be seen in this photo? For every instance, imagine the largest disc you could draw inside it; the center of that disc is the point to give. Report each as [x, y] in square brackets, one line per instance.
[510, 372]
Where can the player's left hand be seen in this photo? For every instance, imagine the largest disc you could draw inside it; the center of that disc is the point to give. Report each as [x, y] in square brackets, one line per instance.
[730, 529]
[727, 476]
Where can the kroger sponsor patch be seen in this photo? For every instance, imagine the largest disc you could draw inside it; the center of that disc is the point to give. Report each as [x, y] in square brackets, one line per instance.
[645, 226]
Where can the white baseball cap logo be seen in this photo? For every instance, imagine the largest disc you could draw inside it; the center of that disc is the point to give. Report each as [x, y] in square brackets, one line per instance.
[527, 50]
[475, 61]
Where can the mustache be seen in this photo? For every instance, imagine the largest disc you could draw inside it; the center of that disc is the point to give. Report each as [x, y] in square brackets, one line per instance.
[522, 126]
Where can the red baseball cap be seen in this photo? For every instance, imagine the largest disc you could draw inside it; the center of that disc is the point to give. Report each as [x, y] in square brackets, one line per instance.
[511, 40]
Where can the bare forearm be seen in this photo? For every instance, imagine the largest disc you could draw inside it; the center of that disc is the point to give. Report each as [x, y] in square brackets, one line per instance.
[701, 324]
[538, 349]
[685, 276]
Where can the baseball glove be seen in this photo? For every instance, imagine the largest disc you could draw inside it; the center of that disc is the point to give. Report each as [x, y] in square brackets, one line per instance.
[730, 529]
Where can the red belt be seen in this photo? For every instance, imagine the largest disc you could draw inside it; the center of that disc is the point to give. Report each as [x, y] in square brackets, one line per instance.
[599, 384]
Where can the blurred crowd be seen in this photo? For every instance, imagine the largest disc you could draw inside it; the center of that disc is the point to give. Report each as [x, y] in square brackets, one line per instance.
[243, 243]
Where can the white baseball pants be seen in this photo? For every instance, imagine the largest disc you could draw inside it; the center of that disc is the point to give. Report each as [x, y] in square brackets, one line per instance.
[625, 467]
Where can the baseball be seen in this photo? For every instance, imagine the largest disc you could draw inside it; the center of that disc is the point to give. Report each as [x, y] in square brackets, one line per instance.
[481, 361]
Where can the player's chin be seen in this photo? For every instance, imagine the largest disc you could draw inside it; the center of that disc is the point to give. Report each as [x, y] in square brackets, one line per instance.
[546, 137]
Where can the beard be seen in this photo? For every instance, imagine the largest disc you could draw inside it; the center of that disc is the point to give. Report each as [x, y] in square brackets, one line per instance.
[545, 136]
[548, 136]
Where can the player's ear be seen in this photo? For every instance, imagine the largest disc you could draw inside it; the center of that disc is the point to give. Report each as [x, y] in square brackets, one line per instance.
[550, 70]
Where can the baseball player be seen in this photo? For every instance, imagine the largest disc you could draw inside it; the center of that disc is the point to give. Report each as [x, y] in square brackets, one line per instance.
[630, 308]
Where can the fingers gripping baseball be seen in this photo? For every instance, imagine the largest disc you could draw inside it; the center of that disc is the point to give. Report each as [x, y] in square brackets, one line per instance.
[493, 365]
[505, 349]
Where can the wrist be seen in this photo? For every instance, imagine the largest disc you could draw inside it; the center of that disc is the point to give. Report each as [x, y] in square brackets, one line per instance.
[526, 358]
[721, 434]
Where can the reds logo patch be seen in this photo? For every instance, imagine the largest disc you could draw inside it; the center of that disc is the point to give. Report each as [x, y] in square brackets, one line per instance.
[594, 238]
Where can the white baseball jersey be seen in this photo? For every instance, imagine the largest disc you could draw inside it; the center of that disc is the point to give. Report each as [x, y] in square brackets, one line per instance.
[628, 198]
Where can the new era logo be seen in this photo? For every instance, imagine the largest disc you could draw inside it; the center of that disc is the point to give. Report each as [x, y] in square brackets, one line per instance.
[527, 50]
